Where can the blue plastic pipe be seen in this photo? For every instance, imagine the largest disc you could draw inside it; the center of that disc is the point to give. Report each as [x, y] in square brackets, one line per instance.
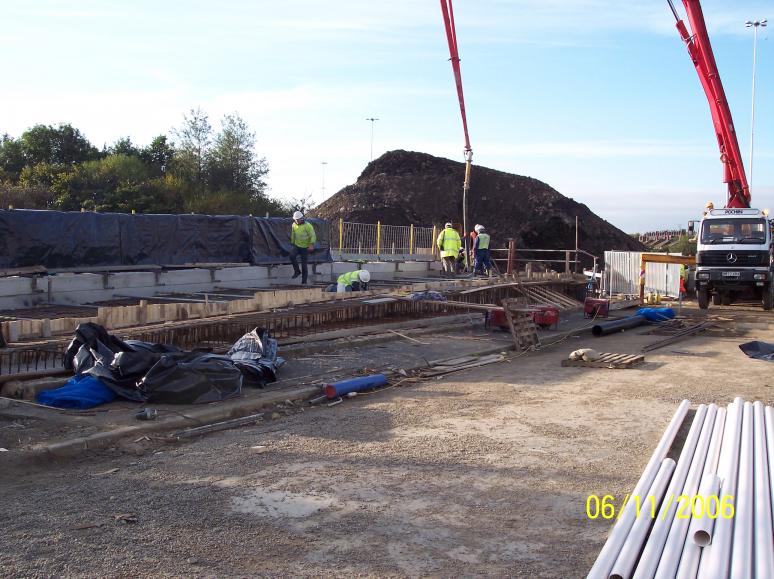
[355, 385]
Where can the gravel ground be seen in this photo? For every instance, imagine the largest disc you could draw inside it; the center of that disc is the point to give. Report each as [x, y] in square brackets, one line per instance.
[484, 472]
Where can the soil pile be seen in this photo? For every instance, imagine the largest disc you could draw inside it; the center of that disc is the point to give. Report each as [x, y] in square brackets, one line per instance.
[404, 187]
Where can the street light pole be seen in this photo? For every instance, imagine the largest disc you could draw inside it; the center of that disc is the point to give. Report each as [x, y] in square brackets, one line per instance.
[372, 119]
[754, 24]
[323, 163]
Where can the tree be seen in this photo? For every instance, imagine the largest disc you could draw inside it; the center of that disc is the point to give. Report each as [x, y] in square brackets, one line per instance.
[124, 146]
[62, 145]
[194, 138]
[11, 159]
[233, 164]
[158, 154]
[107, 184]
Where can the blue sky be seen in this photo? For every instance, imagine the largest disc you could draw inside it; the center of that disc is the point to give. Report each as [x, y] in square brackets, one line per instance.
[598, 98]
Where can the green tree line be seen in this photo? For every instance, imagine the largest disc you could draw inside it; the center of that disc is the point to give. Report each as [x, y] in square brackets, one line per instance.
[194, 170]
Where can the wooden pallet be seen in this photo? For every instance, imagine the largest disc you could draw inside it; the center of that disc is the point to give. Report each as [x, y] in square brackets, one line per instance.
[608, 360]
[522, 324]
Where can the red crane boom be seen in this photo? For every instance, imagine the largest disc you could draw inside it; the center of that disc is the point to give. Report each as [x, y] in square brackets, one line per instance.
[700, 51]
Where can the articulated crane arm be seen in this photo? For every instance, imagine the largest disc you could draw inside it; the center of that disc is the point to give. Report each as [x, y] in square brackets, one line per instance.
[700, 51]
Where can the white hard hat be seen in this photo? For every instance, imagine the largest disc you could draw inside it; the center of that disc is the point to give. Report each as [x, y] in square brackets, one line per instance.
[364, 276]
[478, 228]
[298, 215]
[448, 225]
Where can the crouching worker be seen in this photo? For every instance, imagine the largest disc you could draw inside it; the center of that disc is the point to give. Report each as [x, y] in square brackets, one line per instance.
[353, 281]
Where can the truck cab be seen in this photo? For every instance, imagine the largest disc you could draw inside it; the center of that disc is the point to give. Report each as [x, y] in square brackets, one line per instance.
[734, 257]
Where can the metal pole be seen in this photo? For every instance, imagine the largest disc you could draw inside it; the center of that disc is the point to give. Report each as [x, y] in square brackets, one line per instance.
[465, 189]
[752, 116]
[754, 25]
[323, 163]
[576, 244]
[372, 119]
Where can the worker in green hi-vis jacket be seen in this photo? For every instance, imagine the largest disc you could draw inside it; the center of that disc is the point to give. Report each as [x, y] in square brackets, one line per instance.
[302, 240]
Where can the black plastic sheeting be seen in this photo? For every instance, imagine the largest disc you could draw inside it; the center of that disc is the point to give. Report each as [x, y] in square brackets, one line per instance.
[164, 374]
[66, 240]
[758, 350]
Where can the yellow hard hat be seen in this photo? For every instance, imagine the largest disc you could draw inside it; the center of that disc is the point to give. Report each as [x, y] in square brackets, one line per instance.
[710, 205]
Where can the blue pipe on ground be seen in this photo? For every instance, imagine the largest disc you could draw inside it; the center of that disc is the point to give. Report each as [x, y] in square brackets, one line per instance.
[355, 385]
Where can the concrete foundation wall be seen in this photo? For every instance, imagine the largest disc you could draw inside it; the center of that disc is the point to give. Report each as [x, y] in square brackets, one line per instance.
[82, 288]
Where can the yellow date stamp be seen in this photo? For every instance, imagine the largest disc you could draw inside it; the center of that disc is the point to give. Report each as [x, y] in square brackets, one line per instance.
[686, 506]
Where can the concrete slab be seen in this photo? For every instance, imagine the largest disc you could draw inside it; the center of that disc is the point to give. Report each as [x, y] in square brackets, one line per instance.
[14, 285]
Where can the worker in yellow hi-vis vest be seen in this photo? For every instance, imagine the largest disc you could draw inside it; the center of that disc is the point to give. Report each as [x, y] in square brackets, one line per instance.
[352, 281]
[482, 263]
[302, 240]
[449, 244]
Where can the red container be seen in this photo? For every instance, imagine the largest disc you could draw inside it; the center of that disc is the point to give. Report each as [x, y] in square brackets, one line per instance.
[497, 319]
[546, 316]
[595, 307]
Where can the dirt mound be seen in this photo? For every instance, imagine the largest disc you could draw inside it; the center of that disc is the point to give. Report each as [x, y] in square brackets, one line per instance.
[403, 187]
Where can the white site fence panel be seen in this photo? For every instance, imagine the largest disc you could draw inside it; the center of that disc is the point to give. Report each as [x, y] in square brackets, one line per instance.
[622, 275]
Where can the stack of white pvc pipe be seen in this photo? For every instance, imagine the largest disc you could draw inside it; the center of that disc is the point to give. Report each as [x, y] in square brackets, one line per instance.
[714, 507]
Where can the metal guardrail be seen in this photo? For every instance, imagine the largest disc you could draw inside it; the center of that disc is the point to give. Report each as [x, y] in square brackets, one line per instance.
[376, 239]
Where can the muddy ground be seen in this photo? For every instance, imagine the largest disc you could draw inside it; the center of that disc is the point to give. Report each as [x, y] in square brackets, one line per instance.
[484, 472]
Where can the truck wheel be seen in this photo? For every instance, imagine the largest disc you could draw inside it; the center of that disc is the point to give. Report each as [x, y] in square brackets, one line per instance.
[716, 299]
[768, 297]
[703, 296]
[725, 299]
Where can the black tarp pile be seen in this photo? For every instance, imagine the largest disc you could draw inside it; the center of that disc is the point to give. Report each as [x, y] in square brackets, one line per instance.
[66, 240]
[758, 350]
[159, 373]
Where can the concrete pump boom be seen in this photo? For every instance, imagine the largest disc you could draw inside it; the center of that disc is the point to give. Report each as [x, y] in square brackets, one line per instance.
[700, 51]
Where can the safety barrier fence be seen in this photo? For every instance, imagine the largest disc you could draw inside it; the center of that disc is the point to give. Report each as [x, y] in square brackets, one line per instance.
[351, 240]
[382, 241]
[512, 259]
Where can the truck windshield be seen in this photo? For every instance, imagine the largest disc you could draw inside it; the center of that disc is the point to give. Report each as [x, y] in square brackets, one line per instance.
[733, 231]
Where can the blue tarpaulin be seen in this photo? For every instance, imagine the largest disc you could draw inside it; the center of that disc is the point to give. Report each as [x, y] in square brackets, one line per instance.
[656, 314]
[80, 392]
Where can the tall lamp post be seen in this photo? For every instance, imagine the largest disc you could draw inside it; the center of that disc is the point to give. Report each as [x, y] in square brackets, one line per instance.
[372, 119]
[754, 24]
[323, 163]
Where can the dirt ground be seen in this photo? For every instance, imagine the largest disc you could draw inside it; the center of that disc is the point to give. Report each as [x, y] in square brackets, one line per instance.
[484, 472]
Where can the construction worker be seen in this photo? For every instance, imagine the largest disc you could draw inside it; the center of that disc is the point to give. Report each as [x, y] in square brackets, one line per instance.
[352, 281]
[449, 244]
[482, 263]
[302, 240]
[709, 207]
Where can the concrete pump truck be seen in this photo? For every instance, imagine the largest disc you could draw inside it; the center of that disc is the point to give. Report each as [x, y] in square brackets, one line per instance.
[734, 246]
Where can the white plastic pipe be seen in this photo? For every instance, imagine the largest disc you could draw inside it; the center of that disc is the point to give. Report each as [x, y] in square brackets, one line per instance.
[716, 557]
[630, 551]
[708, 505]
[769, 415]
[651, 555]
[673, 548]
[609, 553]
[744, 517]
[763, 566]
[689, 561]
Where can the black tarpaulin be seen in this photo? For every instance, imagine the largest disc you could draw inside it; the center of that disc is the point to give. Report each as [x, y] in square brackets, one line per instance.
[758, 350]
[69, 240]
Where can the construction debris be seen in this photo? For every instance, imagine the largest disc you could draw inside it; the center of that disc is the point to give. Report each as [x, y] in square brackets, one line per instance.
[677, 336]
[606, 360]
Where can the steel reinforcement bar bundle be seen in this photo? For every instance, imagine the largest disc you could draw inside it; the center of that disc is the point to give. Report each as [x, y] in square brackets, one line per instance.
[709, 515]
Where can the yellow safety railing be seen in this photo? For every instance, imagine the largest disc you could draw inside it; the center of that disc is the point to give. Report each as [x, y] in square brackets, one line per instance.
[383, 240]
